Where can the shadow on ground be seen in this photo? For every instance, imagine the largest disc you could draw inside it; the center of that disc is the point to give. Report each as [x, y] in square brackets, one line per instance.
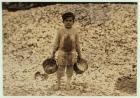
[126, 84]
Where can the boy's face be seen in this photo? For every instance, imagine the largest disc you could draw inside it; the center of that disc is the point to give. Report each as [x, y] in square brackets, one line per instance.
[68, 22]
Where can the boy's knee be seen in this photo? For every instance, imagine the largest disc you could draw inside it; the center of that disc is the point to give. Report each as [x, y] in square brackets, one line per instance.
[60, 71]
[60, 74]
[69, 74]
[69, 71]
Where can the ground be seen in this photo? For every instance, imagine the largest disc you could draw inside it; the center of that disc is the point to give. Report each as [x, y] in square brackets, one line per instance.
[108, 40]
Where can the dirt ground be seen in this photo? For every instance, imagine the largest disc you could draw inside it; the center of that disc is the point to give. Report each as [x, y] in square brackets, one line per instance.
[108, 40]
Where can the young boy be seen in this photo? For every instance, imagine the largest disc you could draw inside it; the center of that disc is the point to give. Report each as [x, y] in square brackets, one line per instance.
[66, 49]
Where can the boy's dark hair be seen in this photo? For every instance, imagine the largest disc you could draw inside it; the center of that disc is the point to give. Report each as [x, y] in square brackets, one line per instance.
[68, 14]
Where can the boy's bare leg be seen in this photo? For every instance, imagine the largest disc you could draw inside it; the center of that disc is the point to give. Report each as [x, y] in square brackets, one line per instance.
[60, 74]
[69, 76]
[58, 83]
[68, 86]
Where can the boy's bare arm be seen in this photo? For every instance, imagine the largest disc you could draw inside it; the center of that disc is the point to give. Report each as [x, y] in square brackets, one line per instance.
[56, 44]
[78, 46]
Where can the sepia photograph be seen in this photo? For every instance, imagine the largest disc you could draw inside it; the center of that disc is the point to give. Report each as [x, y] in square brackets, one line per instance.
[69, 48]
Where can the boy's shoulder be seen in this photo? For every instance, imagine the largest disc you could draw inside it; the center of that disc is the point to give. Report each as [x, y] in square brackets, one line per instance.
[76, 31]
[60, 29]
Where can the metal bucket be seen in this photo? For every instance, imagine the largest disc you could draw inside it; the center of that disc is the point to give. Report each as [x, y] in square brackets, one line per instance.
[81, 66]
[50, 66]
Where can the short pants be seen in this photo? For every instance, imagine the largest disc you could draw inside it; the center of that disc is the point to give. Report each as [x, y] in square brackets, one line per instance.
[65, 60]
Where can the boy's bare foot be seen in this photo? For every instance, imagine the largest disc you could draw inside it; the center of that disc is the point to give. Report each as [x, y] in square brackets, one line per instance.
[68, 87]
[56, 87]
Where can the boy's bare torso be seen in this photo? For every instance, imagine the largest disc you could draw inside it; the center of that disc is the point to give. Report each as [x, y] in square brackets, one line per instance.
[66, 40]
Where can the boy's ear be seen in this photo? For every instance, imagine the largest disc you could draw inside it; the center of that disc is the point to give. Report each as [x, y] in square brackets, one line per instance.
[63, 21]
[73, 21]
